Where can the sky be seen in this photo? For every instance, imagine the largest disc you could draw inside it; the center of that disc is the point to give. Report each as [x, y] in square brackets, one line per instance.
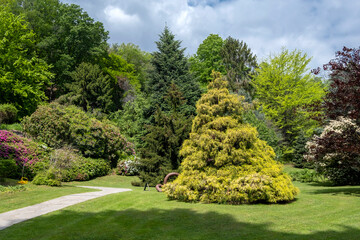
[316, 27]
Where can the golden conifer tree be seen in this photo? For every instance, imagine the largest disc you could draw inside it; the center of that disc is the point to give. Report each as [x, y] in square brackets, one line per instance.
[224, 160]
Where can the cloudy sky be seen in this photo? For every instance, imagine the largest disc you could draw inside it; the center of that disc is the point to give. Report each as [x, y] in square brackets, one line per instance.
[317, 27]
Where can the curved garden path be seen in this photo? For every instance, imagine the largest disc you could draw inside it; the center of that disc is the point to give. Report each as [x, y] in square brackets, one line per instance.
[22, 214]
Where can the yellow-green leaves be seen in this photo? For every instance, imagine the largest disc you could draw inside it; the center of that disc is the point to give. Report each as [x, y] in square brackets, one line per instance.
[287, 90]
[224, 160]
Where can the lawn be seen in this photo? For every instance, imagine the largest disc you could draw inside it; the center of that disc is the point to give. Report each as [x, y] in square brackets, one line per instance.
[319, 212]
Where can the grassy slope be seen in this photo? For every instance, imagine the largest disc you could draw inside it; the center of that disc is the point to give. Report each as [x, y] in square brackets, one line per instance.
[318, 213]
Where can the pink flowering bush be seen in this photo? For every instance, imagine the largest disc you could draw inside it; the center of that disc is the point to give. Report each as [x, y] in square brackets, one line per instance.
[336, 152]
[17, 152]
[58, 125]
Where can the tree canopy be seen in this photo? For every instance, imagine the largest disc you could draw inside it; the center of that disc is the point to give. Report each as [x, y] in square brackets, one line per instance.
[23, 76]
[287, 90]
[343, 95]
[207, 59]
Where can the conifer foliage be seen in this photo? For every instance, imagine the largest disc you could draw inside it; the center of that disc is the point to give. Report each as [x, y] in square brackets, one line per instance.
[164, 139]
[224, 160]
[170, 66]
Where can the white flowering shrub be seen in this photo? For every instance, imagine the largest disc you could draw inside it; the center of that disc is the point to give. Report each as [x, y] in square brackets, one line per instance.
[336, 152]
[128, 167]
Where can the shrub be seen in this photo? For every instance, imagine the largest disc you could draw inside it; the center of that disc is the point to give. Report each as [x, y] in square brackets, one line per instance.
[306, 175]
[69, 166]
[336, 152]
[8, 113]
[299, 149]
[224, 160]
[19, 151]
[128, 167]
[46, 178]
[58, 125]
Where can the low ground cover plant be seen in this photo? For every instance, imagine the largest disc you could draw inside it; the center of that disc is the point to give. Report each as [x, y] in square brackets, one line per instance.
[12, 189]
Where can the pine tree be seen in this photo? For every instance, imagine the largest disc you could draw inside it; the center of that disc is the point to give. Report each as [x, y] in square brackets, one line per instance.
[160, 154]
[170, 65]
[224, 160]
[239, 62]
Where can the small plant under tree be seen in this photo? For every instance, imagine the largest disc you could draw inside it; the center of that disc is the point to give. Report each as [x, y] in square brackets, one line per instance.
[224, 160]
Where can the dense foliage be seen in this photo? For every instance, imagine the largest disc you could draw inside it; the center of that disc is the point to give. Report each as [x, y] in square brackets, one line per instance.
[8, 113]
[58, 125]
[160, 154]
[141, 60]
[286, 91]
[23, 76]
[67, 165]
[343, 96]
[265, 129]
[132, 119]
[208, 59]
[170, 66]
[336, 152]
[224, 160]
[66, 37]
[20, 155]
[239, 63]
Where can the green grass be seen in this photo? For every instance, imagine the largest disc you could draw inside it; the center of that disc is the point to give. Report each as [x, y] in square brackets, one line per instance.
[14, 126]
[35, 194]
[319, 212]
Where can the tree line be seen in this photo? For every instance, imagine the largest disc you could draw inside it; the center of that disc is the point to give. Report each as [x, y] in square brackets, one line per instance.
[51, 51]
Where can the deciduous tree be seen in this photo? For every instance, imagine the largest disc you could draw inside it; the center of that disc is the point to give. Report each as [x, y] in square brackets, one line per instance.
[207, 59]
[23, 76]
[287, 91]
[343, 95]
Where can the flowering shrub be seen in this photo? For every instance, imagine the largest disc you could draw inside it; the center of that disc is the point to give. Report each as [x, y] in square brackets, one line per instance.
[128, 167]
[67, 165]
[336, 152]
[18, 152]
[58, 125]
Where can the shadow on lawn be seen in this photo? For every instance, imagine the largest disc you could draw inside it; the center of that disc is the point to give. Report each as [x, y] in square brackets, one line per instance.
[154, 224]
[351, 191]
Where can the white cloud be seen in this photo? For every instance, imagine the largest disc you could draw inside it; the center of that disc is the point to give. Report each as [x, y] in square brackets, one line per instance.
[318, 27]
[117, 15]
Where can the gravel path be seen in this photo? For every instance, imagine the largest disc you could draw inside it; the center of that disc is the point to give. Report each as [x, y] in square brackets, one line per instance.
[19, 215]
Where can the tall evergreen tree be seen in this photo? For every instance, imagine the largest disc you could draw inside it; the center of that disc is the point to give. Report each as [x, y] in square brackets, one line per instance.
[170, 65]
[160, 154]
[239, 63]
[224, 160]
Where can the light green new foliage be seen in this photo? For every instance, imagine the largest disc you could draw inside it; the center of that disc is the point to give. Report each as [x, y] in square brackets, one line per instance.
[224, 160]
[288, 92]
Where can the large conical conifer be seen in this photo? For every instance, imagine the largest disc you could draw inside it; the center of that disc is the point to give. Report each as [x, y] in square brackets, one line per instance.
[171, 66]
[224, 160]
